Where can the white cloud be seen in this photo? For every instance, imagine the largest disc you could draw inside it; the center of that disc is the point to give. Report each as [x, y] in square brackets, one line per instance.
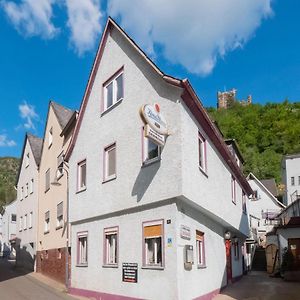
[5, 142]
[32, 17]
[84, 23]
[27, 112]
[193, 33]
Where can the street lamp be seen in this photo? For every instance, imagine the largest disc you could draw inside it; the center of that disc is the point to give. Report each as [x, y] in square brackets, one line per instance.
[64, 167]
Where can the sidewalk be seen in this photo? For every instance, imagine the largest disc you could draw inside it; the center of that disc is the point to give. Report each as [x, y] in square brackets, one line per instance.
[60, 287]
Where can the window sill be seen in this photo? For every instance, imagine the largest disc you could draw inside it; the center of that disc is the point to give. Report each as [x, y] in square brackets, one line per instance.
[81, 190]
[46, 232]
[82, 265]
[115, 266]
[25, 229]
[60, 176]
[153, 267]
[47, 190]
[59, 227]
[201, 266]
[30, 227]
[50, 146]
[109, 179]
[111, 107]
[152, 161]
[203, 171]
[234, 202]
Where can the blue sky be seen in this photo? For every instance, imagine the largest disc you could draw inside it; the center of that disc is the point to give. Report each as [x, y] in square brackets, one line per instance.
[253, 47]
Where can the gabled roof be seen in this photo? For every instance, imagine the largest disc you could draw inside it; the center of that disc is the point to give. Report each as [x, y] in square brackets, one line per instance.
[36, 145]
[188, 95]
[270, 184]
[62, 113]
[253, 177]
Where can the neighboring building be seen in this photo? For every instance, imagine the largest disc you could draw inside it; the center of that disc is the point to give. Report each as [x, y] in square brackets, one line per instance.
[227, 98]
[286, 235]
[27, 201]
[150, 221]
[263, 208]
[290, 168]
[9, 229]
[52, 202]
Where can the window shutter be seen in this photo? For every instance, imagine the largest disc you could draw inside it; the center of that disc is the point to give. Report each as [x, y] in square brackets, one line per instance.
[152, 231]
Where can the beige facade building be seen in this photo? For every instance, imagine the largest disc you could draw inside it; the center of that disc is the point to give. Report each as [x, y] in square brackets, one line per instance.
[52, 203]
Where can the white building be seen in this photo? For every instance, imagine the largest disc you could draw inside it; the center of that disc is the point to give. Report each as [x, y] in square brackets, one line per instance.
[27, 201]
[9, 220]
[263, 208]
[290, 168]
[149, 221]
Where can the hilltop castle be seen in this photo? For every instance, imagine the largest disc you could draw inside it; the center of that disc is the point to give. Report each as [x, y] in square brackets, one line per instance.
[227, 98]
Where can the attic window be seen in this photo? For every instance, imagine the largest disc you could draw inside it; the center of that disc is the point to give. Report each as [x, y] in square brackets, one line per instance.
[113, 90]
[50, 137]
[27, 160]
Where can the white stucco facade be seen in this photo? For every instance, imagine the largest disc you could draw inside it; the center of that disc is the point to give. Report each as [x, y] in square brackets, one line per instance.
[9, 229]
[291, 177]
[173, 189]
[261, 208]
[27, 207]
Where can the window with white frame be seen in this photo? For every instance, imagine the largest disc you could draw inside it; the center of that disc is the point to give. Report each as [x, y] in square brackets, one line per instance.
[151, 151]
[113, 90]
[25, 222]
[30, 220]
[47, 180]
[202, 152]
[81, 170]
[26, 190]
[236, 252]
[31, 186]
[47, 222]
[59, 216]
[233, 189]
[27, 160]
[20, 223]
[110, 162]
[50, 137]
[200, 252]
[153, 247]
[82, 255]
[292, 180]
[111, 246]
[244, 202]
[13, 218]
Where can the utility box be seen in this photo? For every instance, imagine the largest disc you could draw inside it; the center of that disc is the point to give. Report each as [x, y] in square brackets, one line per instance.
[188, 257]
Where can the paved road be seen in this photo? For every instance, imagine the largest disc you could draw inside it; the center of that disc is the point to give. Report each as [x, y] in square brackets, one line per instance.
[259, 286]
[15, 285]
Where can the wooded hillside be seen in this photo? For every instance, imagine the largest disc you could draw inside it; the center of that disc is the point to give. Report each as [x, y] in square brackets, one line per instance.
[8, 171]
[264, 134]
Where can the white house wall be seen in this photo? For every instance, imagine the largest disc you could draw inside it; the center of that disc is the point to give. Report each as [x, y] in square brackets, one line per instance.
[292, 169]
[28, 204]
[210, 190]
[152, 284]
[122, 124]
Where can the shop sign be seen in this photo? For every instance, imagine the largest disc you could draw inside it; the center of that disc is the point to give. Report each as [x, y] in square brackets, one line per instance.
[130, 272]
[185, 232]
[153, 135]
[151, 115]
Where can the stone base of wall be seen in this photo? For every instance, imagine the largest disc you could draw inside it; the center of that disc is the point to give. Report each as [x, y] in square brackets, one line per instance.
[52, 263]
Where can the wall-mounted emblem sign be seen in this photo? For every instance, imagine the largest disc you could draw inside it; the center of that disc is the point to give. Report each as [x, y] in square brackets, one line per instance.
[185, 232]
[157, 138]
[152, 116]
